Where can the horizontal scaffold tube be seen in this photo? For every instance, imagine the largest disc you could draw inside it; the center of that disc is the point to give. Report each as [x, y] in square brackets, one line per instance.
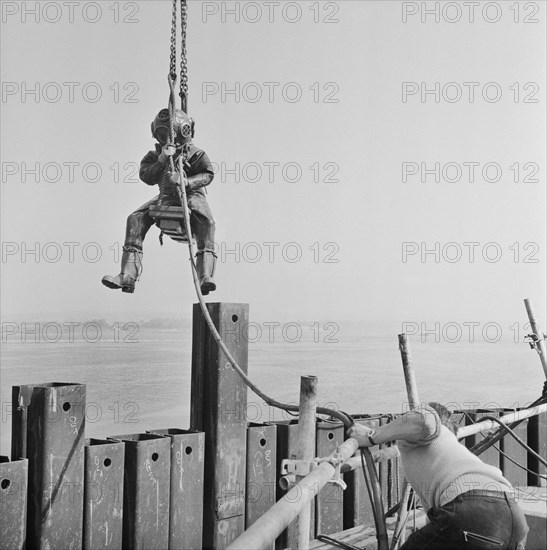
[389, 453]
[472, 429]
[261, 534]
[379, 455]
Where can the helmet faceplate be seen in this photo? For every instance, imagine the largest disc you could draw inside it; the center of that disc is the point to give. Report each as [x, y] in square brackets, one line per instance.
[183, 124]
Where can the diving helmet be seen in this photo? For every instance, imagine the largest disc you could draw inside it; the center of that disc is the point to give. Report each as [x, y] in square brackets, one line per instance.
[183, 126]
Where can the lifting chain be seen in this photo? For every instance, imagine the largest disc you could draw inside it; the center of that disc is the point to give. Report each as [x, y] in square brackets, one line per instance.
[183, 52]
[173, 58]
[183, 59]
[173, 72]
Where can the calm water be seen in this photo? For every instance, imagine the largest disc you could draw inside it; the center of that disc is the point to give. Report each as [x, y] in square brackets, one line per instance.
[144, 383]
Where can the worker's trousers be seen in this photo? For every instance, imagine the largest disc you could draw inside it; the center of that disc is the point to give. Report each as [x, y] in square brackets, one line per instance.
[473, 520]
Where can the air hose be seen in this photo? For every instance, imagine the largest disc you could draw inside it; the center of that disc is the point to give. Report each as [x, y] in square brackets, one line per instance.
[373, 486]
[375, 493]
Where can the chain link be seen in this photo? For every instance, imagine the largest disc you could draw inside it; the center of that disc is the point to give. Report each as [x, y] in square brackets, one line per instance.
[183, 52]
[173, 58]
[183, 58]
[173, 73]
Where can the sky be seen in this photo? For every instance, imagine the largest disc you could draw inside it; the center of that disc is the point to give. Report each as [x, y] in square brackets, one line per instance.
[375, 162]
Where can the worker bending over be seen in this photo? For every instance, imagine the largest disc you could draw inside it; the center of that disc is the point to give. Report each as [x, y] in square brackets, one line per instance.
[470, 505]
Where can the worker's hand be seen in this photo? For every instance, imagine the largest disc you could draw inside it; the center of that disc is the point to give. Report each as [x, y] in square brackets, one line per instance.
[174, 178]
[167, 151]
[360, 433]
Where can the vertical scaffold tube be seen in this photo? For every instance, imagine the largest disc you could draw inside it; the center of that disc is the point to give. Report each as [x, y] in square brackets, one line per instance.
[306, 450]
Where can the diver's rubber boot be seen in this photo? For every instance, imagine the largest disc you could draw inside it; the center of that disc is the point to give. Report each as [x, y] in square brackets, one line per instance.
[205, 266]
[130, 271]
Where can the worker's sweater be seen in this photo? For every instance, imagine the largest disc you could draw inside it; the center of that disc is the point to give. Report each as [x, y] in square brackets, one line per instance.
[439, 468]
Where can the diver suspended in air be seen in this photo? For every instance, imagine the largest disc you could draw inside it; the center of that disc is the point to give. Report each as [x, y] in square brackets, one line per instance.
[155, 169]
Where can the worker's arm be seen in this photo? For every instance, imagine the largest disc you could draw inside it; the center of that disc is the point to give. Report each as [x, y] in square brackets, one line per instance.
[418, 427]
[199, 180]
[200, 170]
[153, 165]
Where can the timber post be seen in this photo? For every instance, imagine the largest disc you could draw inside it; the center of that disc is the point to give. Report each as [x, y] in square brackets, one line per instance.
[218, 408]
[408, 371]
[414, 402]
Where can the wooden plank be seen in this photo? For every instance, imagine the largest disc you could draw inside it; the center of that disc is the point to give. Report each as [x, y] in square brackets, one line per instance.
[364, 535]
[167, 213]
